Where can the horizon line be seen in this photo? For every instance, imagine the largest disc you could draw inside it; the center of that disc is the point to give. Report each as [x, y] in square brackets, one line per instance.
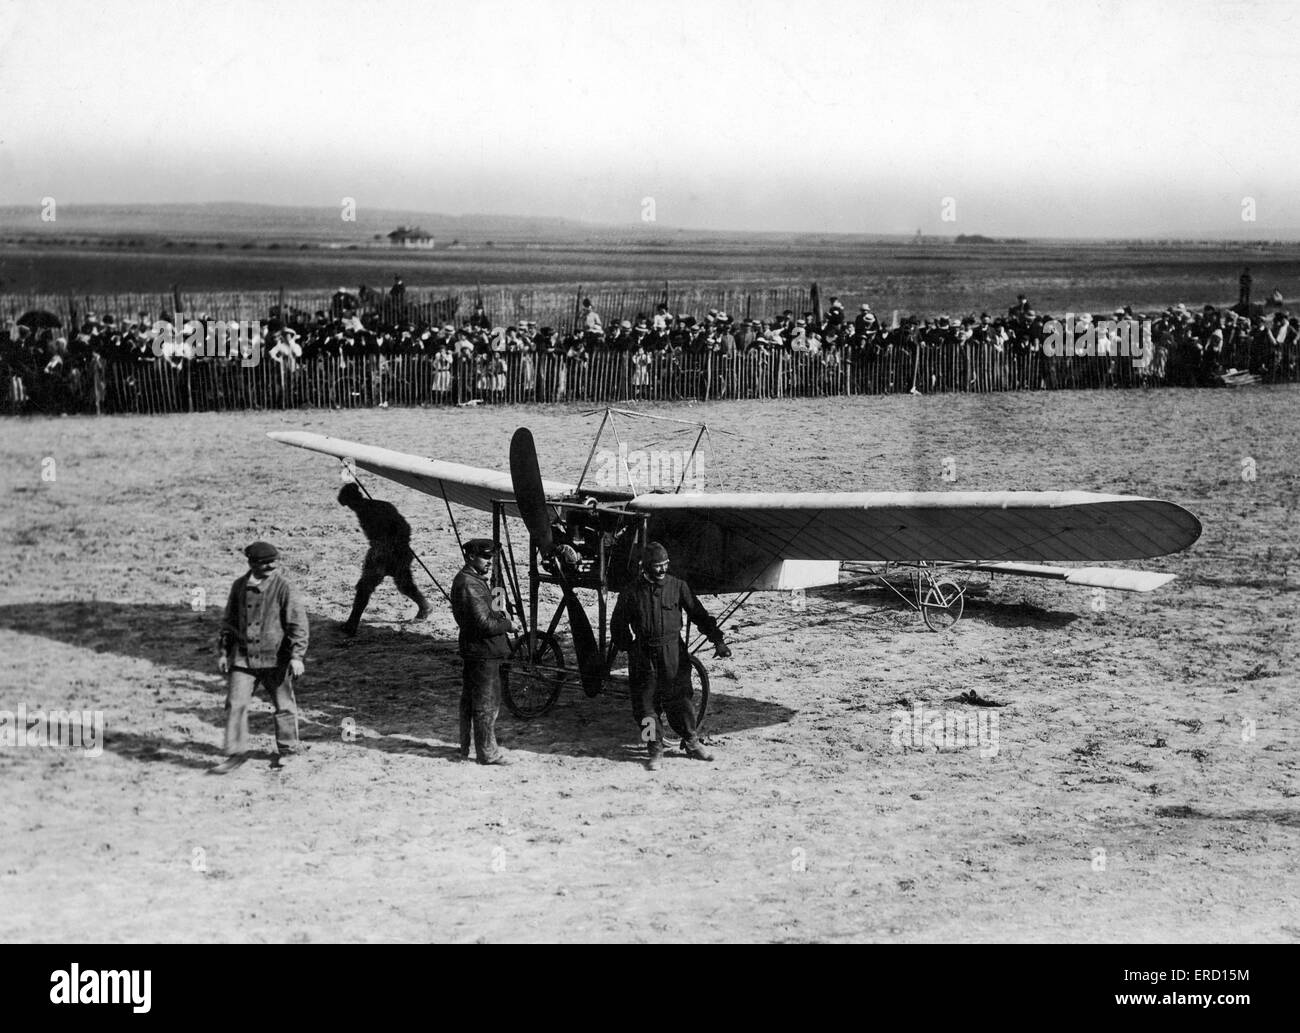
[1259, 235]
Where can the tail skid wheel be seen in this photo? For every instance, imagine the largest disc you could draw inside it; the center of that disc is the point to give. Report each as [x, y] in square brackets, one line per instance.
[942, 606]
[531, 689]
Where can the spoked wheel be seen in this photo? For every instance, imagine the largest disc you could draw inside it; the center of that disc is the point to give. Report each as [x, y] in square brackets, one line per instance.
[531, 689]
[699, 694]
[942, 606]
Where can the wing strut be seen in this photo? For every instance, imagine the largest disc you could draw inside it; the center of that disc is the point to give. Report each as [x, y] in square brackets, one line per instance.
[450, 516]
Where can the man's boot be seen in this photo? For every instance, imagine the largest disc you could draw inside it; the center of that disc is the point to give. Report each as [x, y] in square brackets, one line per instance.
[655, 755]
[487, 748]
[228, 765]
[694, 749]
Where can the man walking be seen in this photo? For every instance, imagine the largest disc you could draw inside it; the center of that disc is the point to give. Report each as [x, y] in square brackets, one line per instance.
[647, 622]
[389, 554]
[483, 645]
[263, 644]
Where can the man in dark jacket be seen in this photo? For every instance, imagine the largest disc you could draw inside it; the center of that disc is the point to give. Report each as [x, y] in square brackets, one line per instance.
[263, 644]
[389, 554]
[484, 626]
[647, 622]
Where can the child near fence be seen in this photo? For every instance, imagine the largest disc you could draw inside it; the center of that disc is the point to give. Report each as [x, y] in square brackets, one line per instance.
[640, 371]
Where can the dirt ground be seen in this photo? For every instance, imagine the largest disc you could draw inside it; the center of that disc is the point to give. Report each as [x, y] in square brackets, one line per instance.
[1143, 786]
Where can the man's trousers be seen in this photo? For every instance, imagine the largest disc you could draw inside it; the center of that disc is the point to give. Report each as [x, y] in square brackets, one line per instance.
[240, 686]
[660, 673]
[480, 702]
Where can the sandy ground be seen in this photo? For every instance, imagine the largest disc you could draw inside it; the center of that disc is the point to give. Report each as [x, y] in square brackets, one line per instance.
[1144, 784]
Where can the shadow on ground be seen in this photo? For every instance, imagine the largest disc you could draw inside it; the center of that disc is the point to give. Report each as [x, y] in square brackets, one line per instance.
[389, 689]
[1289, 818]
[871, 598]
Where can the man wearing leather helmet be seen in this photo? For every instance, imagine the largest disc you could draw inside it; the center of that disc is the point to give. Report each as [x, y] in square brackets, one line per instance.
[647, 623]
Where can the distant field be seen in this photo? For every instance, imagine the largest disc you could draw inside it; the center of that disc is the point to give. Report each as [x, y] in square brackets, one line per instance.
[144, 250]
[927, 278]
[98, 249]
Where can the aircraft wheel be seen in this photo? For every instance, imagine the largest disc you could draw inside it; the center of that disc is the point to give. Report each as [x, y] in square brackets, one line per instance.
[699, 695]
[942, 606]
[531, 689]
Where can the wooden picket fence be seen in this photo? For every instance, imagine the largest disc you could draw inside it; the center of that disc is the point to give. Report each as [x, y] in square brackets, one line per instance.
[365, 381]
[144, 384]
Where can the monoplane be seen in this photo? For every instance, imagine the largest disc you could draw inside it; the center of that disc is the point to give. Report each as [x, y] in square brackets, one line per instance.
[584, 536]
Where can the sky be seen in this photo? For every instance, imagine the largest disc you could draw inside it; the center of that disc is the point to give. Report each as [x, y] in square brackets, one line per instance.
[1138, 118]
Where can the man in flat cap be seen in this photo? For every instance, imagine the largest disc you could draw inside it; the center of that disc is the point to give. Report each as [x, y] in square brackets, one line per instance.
[263, 644]
[483, 645]
[389, 554]
[647, 622]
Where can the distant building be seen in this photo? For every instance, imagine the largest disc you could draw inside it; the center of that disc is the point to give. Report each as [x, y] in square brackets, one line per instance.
[410, 236]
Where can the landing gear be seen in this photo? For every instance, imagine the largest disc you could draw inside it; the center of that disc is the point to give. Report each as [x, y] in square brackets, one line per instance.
[531, 687]
[942, 606]
[572, 546]
[930, 589]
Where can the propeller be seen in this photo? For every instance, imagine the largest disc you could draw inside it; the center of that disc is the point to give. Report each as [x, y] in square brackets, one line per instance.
[530, 497]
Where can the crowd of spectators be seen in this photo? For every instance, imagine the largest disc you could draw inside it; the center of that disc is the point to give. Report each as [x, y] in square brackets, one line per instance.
[938, 353]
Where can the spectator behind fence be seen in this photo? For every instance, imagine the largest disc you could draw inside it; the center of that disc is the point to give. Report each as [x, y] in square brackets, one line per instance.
[105, 360]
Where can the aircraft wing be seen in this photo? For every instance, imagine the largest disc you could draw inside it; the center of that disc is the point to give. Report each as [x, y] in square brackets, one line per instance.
[465, 485]
[970, 526]
[763, 527]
